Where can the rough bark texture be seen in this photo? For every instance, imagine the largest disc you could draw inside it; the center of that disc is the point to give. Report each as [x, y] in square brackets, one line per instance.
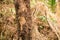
[24, 20]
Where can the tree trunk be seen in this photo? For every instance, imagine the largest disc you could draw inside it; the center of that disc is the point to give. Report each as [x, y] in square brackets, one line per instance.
[23, 18]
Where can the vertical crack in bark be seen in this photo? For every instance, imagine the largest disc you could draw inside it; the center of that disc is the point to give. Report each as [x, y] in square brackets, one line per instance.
[17, 20]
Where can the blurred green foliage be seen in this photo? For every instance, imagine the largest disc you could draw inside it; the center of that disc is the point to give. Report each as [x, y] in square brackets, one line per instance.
[52, 2]
[32, 3]
[43, 18]
[53, 19]
[52, 5]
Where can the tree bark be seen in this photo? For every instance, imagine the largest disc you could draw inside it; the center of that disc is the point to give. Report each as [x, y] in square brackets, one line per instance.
[23, 19]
